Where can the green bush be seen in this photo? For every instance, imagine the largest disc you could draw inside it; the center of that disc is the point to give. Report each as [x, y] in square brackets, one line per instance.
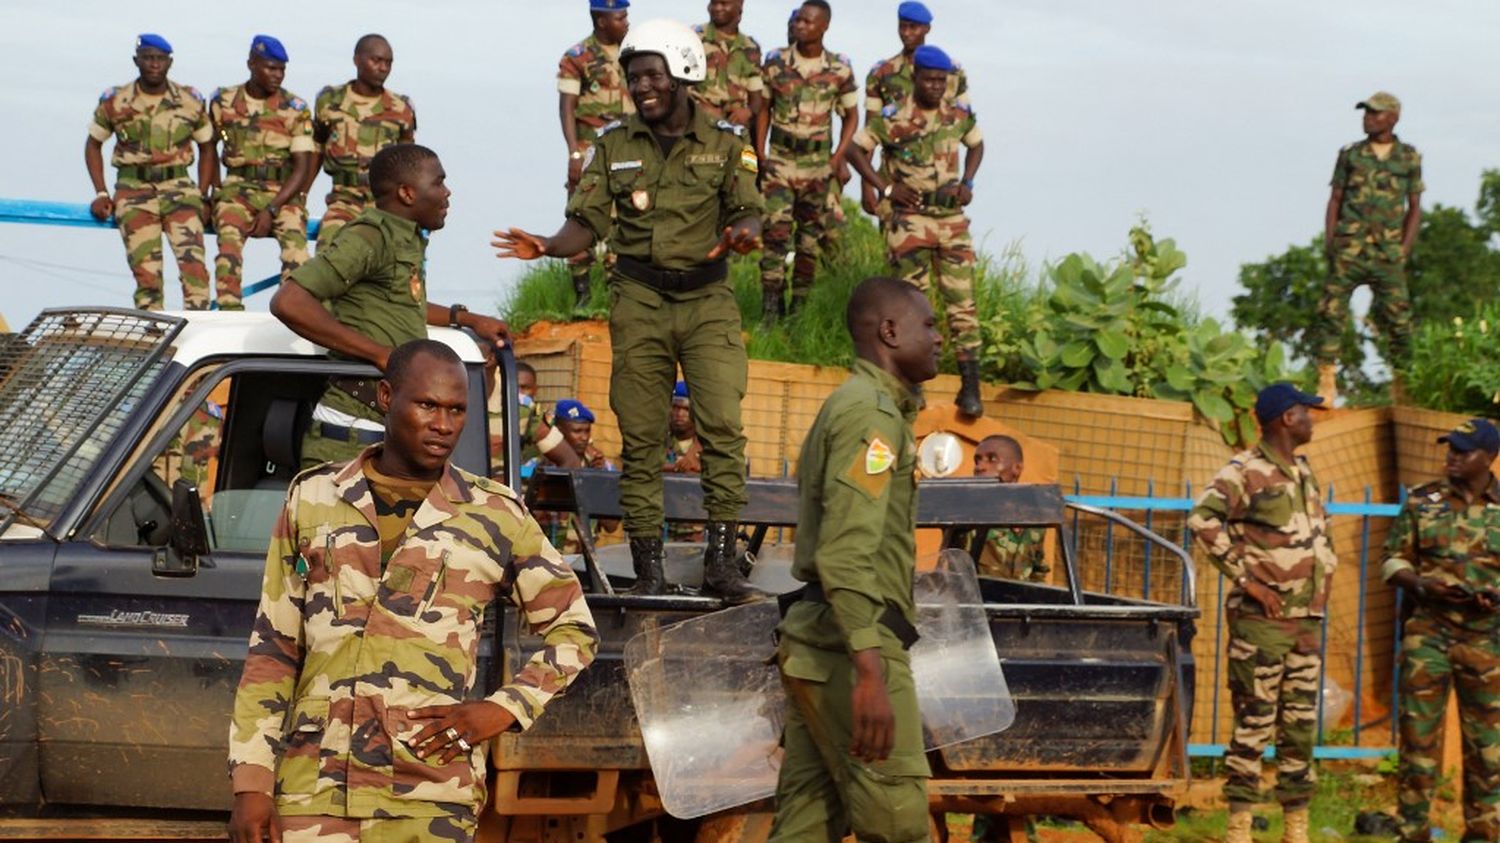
[1455, 365]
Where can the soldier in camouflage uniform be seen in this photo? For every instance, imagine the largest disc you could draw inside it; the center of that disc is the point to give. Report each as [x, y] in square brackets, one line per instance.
[538, 434]
[1016, 553]
[1371, 224]
[351, 720]
[591, 94]
[268, 147]
[805, 86]
[352, 122]
[1444, 551]
[734, 88]
[928, 233]
[155, 123]
[1262, 523]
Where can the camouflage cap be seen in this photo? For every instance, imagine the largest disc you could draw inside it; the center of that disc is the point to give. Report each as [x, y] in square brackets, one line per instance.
[1472, 434]
[1380, 101]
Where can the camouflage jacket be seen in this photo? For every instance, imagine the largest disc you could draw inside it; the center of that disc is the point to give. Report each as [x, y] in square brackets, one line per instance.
[1437, 536]
[1265, 519]
[260, 132]
[530, 419]
[341, 650]
[1375, 193]
[591, 71]
[152, 131]
[920, 148]
[805, 93]
[733, 72]
[890, 82]
[352, 128]
[1015, 553]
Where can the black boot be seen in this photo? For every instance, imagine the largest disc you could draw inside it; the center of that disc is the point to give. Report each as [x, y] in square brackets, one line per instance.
[772, 308]
[968, 393]
[798, 302]
[646, 555]
[581, 290]
[721, 576]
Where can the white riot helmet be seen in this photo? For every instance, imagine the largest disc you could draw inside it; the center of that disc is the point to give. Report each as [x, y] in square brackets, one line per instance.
[676, 42]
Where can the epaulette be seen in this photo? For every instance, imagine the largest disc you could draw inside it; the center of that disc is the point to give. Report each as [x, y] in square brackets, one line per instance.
[309, 473]
[494, 487]
[576, 50]
[108, 93]
[608, 127]
[889, 111]
[193, 92]
[727, 126]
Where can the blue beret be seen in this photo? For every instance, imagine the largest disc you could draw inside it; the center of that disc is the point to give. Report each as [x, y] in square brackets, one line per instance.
[680, 391]
[1474, 434]
[151, 39]
[913, 11]
[571, 409]
[793, 15]
[927, 57]
[1280, 397]
[267, 48]
[608, 5]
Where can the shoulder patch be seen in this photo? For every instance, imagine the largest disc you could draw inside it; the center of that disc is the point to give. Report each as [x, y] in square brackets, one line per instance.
[878, 456]
[218, 94]
[698, 29]
[193, 92]
[735, 128]
[608, 127]
[576, 50]
[889, 111]
[774, 55]
[967, 108]
[844, 57]
[297, 103]
[108, 93]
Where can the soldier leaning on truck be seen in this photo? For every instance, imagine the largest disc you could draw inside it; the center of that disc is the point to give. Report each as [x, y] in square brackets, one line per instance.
[854, 754]
[1262, 523]
[373, 279]
[351, 720]
[155, 123]
[1444, 551]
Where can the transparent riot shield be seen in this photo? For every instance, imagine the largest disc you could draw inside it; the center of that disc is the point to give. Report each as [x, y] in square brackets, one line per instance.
[710, 704]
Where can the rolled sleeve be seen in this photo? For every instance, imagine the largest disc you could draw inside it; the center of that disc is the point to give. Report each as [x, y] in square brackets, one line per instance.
[1400, 554]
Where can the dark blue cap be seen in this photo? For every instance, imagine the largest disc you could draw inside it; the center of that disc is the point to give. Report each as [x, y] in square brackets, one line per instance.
[608, 5]
[928, 57]
[1472, 434]
[571, 409]
[680, 392]
[267, 48]
[913, 11]
[1280, 397]
[151, 39]
[793, 15]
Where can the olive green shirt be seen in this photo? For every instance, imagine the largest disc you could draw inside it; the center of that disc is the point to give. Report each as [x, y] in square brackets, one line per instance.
[857, 514]
[669, 211]
[372, 277]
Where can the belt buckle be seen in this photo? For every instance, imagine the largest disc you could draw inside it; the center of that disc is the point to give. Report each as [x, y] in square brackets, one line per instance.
[671, 279]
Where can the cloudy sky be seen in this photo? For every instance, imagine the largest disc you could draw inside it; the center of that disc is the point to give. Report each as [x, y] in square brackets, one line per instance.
[1217, 121]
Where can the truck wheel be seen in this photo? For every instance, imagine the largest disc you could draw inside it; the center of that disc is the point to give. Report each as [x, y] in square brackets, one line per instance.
[735, 828]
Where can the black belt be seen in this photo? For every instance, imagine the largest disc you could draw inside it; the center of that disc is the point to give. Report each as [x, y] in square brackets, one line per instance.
[891, 618]
[153, 173]
[795, 144]
[672, 280]
[363, 390]
[350, 434]
[936, 199]
[263, 172]
[350, 178]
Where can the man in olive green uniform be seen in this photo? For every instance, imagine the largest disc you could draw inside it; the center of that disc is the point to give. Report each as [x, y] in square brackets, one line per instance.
[927, 233]
[681, 188]
[352, 122]
[591, 94]
[854, 753]
[366, 293]
[1370, 226]
[733, 89]
[268, 146]
[155, 123]
[1262, 523]
[1442, 551]
[354, 719]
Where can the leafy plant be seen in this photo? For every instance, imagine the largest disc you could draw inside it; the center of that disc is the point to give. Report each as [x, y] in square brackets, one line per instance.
[1455, 365]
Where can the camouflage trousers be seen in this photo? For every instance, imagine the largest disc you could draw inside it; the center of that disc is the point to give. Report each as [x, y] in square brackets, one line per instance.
[319, 829]
[145, 211]
[797, 191]
[1434, 658]
[928, 250]
[235, 210]
[344, 204]
[1390, 307]
[1273, 686]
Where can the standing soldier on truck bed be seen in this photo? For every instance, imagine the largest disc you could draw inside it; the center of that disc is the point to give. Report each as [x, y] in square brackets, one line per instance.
[590, 95]
[927, 234]
[268, 147]
[155, 123]
[854, 753]
[351, 123]
[806, 85]
[674, 191]
[1262, 523]
[733, 89]
[1442, 552]
[353, 719]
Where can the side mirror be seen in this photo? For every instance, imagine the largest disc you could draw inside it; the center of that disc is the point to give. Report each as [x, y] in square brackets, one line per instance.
[189, 539]
[940, 454]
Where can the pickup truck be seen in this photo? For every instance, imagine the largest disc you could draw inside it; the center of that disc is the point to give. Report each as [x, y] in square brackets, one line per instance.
[143, 460]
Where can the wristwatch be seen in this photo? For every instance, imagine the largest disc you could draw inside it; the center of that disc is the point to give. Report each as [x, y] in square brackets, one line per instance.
[575, 155]
[969, 183]
[273, 210]
[453, 311]
[1241, 580]
[885, 192]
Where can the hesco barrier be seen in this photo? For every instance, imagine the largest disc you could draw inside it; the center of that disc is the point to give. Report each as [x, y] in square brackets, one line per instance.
[1114, 446]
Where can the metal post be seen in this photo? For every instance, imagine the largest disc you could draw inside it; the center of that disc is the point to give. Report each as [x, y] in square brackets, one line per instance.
[1146, 546]
[1109, 545]
[1359, 631]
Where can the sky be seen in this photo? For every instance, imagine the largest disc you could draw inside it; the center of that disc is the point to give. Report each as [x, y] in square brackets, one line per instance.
[1218, 122]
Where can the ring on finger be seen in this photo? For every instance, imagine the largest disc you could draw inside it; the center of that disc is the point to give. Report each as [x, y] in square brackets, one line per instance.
[463, 744]
[452, 734]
